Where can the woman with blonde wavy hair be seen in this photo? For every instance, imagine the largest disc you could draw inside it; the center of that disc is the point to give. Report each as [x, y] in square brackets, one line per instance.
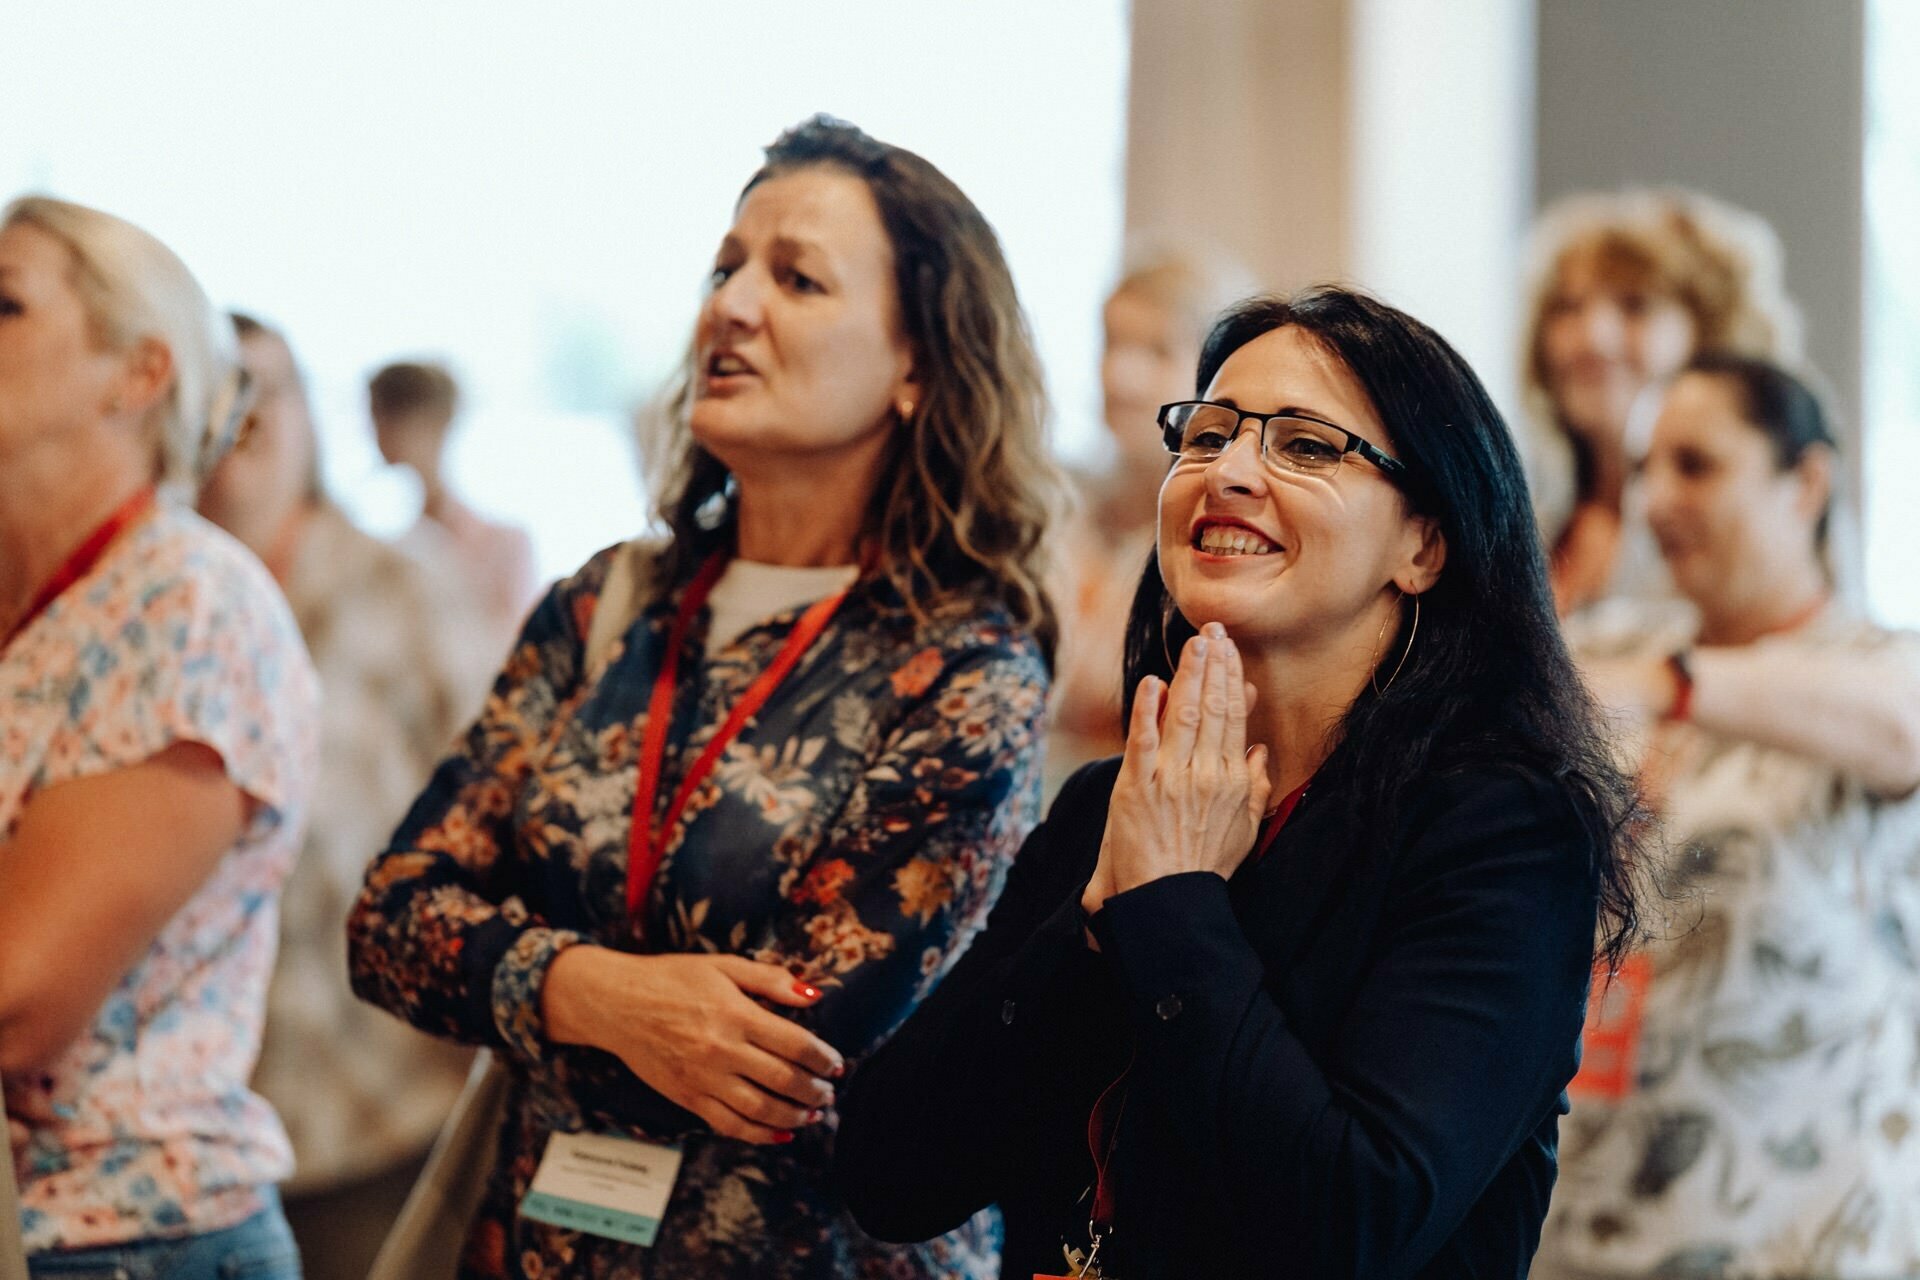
[157, 722]
[1625, 289]
[699, 857]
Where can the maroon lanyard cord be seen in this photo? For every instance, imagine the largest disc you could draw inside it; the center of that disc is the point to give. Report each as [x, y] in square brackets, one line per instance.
[82, 561]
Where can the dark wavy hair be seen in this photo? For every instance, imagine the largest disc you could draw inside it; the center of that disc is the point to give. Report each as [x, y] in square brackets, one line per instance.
[967, 487]
[1781, 407]
[1488, 677]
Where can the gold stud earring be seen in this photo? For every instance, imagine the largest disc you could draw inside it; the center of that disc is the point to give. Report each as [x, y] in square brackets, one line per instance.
[906, 410]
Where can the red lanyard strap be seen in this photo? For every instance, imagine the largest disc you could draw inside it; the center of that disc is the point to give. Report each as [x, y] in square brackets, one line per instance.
[1270, 828]
[82, 560]
[646, 842]
[1102, 1129]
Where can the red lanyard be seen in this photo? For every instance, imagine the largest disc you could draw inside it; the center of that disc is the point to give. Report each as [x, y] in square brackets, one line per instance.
[1270, 829]
[79, 564]
[1105, 1120]
[646, 843]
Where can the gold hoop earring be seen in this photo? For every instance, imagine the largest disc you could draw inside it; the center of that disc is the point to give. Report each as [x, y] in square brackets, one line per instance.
[1411, 633]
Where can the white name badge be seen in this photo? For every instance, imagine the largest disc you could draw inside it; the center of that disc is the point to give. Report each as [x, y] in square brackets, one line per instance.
[613, 1187]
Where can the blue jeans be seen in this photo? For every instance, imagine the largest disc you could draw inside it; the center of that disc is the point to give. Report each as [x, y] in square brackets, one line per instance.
[261, 1248]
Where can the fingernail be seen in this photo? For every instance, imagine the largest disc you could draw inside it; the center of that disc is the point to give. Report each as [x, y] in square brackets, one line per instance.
[803, 989]
[1199, 646]
[815, 1116]
[837, 1072]
[1217, 631]
[785, 1135]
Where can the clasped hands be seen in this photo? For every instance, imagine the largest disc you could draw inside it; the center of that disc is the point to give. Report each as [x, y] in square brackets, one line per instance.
[1191, 793]
[694, 1028]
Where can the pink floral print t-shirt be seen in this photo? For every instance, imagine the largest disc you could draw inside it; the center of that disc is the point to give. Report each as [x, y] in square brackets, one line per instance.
[144, 1127]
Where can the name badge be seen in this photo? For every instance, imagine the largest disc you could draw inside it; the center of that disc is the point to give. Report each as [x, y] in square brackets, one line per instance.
[613, 1187]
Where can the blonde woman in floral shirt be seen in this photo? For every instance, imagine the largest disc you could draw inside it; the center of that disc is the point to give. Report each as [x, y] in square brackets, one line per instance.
[678, 924]
[1746, 1104]
[157, 717]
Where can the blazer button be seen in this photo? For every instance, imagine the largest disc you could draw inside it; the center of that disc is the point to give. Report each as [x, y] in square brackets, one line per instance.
[1006, 1013]
[1168, 1008]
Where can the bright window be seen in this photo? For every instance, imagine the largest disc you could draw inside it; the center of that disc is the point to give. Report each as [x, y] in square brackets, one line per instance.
[534, 191]
[1893, 311]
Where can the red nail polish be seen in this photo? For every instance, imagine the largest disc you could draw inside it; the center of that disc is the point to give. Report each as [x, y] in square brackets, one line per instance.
[783, 1136]
[804, 989]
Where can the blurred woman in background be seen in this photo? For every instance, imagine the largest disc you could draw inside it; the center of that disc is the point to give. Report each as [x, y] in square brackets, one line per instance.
[402, 665]
[157, 716]
[680, 886]
[1151, 329]
[1746, 1106]
[1625, 289]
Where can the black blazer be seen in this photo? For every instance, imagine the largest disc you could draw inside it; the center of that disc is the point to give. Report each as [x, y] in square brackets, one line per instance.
[1345, 1062]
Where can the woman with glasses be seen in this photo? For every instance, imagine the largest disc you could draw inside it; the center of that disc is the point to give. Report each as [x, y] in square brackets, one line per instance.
[1746, 1103]
[157, 725]
[1294, 986]
[680, 885]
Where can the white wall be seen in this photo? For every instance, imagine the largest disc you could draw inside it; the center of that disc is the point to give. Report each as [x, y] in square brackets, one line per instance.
[535, 191]
[1385, 143]
[1443, 168]
[1892, 418]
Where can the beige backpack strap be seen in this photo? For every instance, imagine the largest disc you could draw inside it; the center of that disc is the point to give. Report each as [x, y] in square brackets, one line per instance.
[426, 1238]
[619, 604]
[425, 1241]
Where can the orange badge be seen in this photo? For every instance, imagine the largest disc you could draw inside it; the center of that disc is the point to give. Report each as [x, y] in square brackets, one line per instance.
[1610, 1043]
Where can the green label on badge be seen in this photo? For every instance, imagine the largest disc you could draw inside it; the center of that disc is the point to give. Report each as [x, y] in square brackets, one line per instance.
[612, 1223]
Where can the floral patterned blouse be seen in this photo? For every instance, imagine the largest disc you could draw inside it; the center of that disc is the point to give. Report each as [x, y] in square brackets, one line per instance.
[1767, 1124]
[857, 831]
[144, 1127]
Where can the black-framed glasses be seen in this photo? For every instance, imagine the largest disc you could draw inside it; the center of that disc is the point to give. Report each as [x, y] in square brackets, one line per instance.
[1200, 431]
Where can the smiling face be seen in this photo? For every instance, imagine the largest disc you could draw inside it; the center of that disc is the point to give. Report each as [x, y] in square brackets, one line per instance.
[1733, 526]
[801, 356]
[1604, 340]
[1281, 558]
[54, 376]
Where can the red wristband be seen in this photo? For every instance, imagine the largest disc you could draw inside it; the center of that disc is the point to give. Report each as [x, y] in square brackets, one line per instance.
[1679, 662]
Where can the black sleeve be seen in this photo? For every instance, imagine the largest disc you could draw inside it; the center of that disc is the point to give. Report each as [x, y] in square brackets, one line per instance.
[1365, 1160]
[990, 1081]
